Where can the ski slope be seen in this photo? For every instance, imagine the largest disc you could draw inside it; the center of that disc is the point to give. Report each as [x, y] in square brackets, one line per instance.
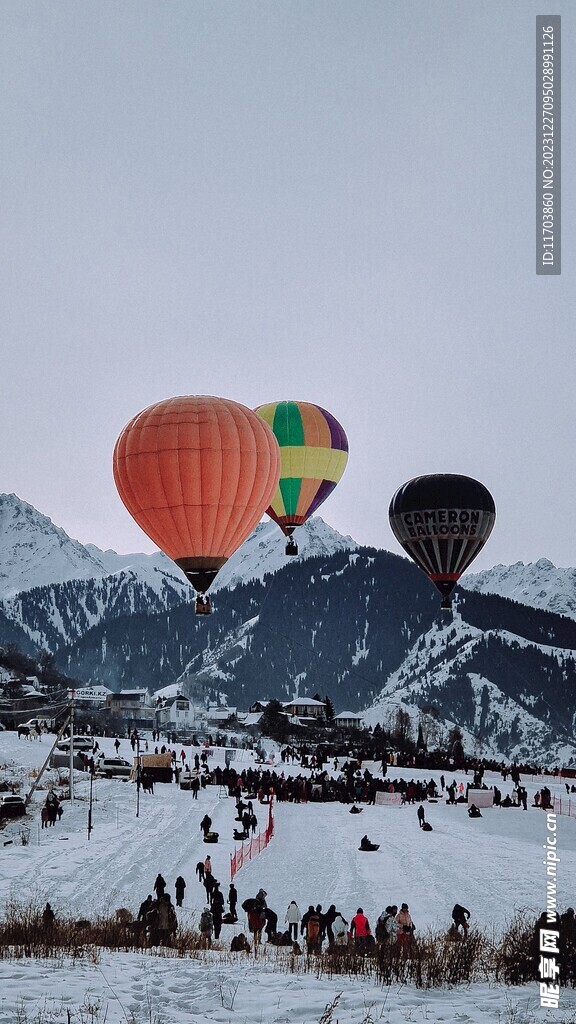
[492, 865]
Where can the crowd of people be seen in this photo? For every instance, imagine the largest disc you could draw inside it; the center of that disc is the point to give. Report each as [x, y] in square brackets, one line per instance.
[318, 930]
[157, 916]
[315, 931]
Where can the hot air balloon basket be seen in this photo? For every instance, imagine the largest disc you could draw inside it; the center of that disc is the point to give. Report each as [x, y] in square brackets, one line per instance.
[203, 606]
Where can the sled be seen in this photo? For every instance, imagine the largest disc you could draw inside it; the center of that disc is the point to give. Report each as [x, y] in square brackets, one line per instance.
[369, 849]
[211, 837]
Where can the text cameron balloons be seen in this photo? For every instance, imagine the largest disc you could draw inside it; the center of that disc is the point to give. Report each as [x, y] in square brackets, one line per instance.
[442, 521]
[314, 453]
[196, 473]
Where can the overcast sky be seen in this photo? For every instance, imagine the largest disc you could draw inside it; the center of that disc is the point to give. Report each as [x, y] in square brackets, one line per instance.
[326, 200]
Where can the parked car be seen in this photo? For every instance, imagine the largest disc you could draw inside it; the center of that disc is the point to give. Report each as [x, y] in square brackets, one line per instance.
[12, 806]
[113, 767]
[80, 743]
[61, 759]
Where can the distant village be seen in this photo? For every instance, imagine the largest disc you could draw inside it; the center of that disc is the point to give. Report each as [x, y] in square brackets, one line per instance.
[168, 710]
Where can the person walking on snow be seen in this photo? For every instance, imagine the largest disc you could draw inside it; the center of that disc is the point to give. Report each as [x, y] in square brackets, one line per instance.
[313, 938]
[360, 928]
[340, 930]
[293, 916]
[217, 907]
[233, 900]
[406, 926]
[179, 886]
[461, 916]
[206, 928]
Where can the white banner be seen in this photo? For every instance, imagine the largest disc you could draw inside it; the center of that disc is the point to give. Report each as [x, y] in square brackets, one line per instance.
[480, 797]
[389, 799]
[90, 693]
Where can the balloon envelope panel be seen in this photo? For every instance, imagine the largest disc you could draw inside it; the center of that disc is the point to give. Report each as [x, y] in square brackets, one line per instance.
[314, 453]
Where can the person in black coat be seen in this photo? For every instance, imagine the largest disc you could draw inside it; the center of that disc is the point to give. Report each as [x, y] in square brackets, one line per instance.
[306, 917]
[326, 922]
[179, 886]
[209, 884]
[233, 900]
[271, 924]
[460, 916]
[217, 907]
[206, 824]
[159, 886]
[145, 908]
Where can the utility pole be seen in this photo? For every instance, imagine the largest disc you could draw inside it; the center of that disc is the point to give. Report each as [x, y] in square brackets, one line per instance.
[71, 781]
[90, 825]
[46, 762]
[138, 774]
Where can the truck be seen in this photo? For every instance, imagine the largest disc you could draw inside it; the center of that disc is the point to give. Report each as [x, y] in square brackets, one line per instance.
[157, 767]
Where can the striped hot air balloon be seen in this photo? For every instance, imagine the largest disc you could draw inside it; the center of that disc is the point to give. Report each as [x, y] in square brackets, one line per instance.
[314, 453]
[442, 521]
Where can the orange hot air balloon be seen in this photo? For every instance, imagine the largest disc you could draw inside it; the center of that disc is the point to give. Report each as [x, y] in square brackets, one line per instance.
[196, 473]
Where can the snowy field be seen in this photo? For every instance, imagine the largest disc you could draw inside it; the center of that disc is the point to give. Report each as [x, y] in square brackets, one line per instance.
[492, 865]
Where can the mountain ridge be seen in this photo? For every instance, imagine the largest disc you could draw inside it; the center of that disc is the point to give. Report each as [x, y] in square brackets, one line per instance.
[359, 623]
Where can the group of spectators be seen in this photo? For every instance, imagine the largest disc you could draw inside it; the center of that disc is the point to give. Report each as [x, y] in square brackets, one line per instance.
[157, 916]
[316, 927]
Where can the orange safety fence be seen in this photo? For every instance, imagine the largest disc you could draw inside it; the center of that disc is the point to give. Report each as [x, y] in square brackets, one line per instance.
[252, 848]
[564, 805]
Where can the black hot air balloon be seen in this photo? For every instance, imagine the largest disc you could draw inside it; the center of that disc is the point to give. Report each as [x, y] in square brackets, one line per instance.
[442, 521]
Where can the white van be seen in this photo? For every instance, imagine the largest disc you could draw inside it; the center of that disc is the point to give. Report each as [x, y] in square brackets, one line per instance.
[113, 768]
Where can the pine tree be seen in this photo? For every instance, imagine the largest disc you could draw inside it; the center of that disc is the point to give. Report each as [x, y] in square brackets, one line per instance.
[273, 723]
[421, 742]
[329, 709]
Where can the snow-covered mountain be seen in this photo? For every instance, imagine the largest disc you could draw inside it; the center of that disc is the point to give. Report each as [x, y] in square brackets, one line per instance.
[359, 624]
[263, 552]
[497, 719]
[57, 588]
[539, 584]
[365, 628]
[34, 552]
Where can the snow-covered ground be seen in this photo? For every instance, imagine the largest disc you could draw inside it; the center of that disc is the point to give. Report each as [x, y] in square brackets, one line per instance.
[492, 865]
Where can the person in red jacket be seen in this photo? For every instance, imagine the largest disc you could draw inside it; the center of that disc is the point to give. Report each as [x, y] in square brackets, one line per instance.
[360, 929]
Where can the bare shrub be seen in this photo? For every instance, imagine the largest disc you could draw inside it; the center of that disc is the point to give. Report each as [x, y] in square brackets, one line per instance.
[433, 961]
